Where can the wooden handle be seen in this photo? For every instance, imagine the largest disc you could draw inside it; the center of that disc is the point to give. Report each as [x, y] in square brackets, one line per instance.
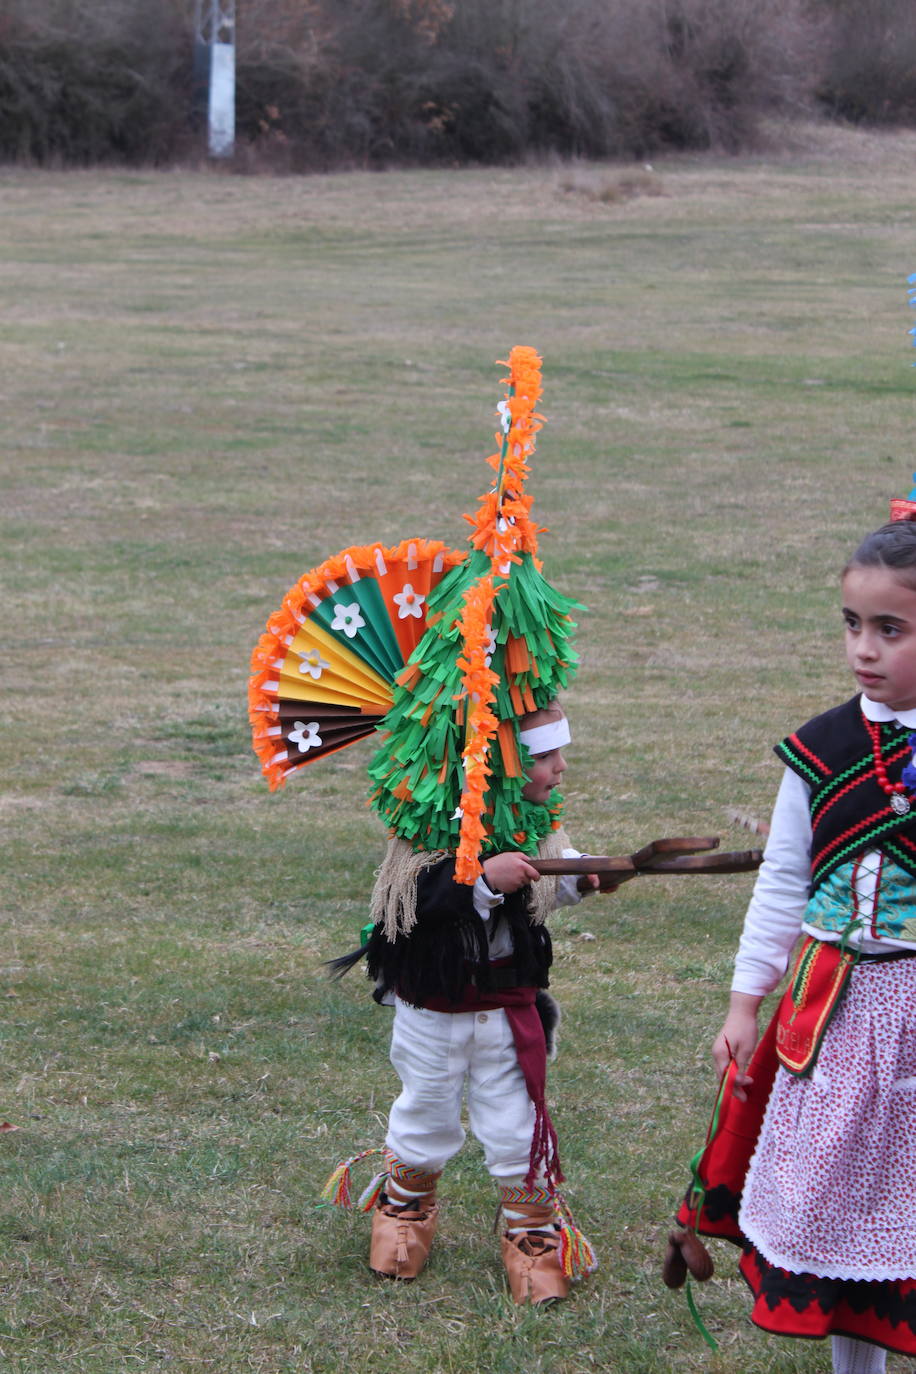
[674, 844]
[590, 865]
[730, 861]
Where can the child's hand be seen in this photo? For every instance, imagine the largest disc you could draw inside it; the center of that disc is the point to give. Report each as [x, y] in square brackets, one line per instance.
[738, 1039]
[508, 872]
[597, 882]
[593, 882]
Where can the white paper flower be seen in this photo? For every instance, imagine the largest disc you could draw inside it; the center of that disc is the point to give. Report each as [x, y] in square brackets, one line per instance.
[505, 416]
[305, 735]
[312, 663]
[491, 645]
[348, 619]
[409, 602]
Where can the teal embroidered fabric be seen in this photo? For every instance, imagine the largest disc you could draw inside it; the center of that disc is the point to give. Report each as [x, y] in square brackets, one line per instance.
[894, 918]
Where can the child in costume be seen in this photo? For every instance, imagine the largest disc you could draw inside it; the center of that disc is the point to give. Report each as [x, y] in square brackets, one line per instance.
[458, 659]
[816, 1178]
[464, 979]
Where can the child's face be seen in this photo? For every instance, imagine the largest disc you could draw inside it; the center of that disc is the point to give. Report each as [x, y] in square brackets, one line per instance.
[546, 769]
[880, 615]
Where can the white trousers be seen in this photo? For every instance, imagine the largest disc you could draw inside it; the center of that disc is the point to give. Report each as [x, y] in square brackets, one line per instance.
[436, 1054]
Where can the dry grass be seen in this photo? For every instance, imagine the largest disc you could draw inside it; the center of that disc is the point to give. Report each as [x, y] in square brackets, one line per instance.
[211, 383]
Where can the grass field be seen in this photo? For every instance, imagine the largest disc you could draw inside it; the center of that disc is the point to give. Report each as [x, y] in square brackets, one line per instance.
[209, 384]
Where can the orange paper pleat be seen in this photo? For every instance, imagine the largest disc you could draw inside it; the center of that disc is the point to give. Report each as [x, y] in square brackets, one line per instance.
[505, 733]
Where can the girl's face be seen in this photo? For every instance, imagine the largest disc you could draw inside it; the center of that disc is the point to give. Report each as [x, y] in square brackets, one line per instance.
[880, 615]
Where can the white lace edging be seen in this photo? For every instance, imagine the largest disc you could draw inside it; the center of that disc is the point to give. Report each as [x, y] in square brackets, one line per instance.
[797, 1265]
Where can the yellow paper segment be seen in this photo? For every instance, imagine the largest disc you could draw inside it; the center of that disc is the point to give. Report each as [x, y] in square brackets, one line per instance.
[345, 680]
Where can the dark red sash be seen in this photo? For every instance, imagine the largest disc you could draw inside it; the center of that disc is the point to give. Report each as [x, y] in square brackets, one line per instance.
[531, 1049]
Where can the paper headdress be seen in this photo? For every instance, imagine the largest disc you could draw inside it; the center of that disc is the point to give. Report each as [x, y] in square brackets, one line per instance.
[444, 652]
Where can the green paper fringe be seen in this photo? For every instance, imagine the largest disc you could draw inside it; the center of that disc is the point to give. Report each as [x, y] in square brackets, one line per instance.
[412, 754]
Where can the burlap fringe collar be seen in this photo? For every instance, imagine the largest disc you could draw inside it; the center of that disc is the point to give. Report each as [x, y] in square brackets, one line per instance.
[394, 896]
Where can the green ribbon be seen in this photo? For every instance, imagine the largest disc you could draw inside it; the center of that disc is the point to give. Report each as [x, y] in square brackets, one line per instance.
[698, 1196]
[857, 923]
[698, 1320]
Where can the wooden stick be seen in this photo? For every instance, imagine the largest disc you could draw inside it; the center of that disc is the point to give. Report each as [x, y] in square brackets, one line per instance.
[674, 855]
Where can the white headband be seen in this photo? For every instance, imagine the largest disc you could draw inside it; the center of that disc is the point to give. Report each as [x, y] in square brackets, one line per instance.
[542, 738]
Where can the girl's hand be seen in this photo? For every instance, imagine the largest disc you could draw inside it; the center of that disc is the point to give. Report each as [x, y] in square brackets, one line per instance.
[508, 872]
[738, 1037]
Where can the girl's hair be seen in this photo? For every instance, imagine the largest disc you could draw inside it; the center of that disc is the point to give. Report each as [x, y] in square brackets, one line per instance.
[892, 547]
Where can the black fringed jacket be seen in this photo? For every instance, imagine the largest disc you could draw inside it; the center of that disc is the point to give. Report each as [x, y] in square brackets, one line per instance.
[449, 946]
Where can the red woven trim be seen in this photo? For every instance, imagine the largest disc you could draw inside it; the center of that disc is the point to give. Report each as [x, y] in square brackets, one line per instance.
[900, 753]
[820, 812]
[879, 878]
[855, 782]
[851, 833]
[803, 749]
[905, 843]
[853, 887]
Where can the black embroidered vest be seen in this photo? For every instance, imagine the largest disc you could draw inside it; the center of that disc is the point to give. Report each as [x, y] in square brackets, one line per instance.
[849, 811]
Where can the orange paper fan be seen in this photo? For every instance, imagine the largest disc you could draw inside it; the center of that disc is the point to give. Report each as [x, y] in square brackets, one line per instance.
[323, 669]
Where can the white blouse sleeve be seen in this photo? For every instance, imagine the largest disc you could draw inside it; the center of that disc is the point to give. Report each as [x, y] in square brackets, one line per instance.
[777, 906]
[485, 899]
[568, 893]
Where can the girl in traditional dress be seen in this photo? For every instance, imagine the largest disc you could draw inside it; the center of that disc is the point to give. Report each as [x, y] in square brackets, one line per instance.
[828, 1212]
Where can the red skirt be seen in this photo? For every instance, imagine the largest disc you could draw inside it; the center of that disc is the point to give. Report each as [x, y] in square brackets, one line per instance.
[882, 1311]
[789, 1302]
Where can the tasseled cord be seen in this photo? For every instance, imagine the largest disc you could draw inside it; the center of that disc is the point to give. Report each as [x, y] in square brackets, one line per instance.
[576, 1255]
[337, 1189]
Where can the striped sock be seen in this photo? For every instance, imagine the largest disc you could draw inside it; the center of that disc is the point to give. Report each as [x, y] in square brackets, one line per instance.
[856, 1357]
[527, 1209]
[410, 1185]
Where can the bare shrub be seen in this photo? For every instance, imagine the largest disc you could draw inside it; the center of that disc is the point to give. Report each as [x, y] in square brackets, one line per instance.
[612, 190]
[492, 80]
[334, 81]
[870, 75]
[328, 83]
[700, 73]
[94, 83]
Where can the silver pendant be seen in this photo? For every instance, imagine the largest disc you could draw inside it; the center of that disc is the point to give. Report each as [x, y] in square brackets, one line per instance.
[900, 803]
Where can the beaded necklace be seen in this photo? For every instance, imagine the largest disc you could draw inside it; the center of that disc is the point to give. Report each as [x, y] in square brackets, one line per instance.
[895, 791]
